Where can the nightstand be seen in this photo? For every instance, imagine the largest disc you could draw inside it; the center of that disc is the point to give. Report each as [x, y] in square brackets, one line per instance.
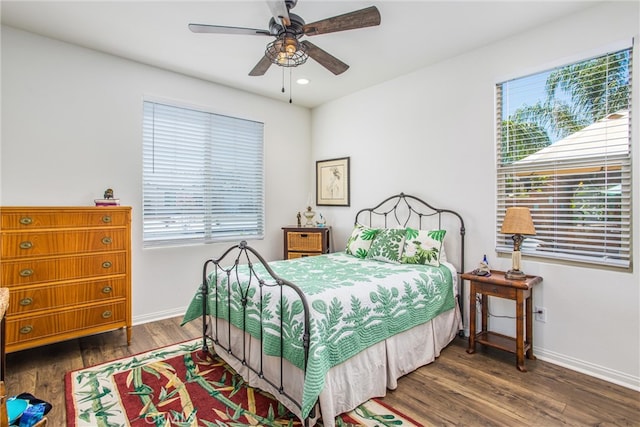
[305, 241]
[521, 291]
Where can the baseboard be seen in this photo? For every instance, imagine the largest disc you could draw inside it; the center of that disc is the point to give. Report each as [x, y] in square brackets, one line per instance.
[159, 315]
[591, 369]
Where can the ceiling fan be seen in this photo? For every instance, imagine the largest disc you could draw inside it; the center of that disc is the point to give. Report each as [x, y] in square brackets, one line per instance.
[287, 50]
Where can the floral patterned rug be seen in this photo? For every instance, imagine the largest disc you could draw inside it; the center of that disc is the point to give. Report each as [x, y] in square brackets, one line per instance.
[180, 385]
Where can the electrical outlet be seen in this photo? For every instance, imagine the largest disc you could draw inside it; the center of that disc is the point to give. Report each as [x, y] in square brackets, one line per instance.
[541, 314]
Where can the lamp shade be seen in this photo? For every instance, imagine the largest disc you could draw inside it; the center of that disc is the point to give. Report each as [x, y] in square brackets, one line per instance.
[518, 220]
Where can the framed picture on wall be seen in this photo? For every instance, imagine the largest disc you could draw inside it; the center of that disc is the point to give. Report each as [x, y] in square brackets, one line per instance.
[332, 182]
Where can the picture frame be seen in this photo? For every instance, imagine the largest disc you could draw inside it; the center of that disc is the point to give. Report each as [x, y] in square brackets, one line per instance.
[332, 182]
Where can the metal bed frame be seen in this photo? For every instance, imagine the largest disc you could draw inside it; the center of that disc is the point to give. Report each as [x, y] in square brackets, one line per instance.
[401, 210]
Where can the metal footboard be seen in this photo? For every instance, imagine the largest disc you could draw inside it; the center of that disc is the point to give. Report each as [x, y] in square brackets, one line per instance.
[218, 293]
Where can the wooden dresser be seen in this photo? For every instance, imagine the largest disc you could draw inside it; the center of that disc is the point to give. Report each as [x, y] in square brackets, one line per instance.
[305, 241]
[68, 270]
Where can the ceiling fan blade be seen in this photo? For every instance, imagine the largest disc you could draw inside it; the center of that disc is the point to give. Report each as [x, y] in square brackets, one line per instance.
[221, 29]
[280, 12]
[367, 17]
[261, 67]
[325, 59]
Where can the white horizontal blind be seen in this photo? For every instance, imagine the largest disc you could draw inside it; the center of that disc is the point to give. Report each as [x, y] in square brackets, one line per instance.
[564, 151]
[203, 177]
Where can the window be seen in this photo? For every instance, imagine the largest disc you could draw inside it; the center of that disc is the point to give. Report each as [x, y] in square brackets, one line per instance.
[563, 150]
[202, 177]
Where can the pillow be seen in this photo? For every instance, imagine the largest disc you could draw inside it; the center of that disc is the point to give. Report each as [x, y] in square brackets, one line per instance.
[360, 240]
[423, 247]
[388, 245]
[443, 253]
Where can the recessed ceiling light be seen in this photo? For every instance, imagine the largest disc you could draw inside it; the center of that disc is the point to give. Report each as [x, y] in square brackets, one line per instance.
[302, 81]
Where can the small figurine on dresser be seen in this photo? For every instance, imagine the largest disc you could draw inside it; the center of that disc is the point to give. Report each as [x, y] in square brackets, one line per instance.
[108, 199]
[483, 268]
[299, 220]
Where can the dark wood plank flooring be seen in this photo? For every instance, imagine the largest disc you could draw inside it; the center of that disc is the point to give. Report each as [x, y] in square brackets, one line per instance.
[458, 389]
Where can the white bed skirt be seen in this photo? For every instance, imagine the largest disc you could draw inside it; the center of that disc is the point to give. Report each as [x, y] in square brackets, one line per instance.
[364, 376]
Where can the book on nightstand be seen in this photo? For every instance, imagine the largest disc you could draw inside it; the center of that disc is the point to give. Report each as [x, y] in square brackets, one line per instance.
[107, 202]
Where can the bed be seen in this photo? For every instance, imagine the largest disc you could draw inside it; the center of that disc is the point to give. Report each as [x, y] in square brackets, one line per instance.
[326, 333]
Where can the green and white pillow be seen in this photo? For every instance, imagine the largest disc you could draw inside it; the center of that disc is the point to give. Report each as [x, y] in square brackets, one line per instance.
[388, 245]
[360, 240]
[424, 247]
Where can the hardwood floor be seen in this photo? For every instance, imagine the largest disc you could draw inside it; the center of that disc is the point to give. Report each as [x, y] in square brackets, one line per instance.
[458, 389]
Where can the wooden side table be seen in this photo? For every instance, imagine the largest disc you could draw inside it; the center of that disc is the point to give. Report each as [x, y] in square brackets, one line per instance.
[306, 241]
[521, 291]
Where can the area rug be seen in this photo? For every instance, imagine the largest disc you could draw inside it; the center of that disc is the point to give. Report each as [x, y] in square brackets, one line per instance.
[180, 385]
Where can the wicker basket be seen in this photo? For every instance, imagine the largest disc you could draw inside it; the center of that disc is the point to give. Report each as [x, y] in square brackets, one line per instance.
[301, 241]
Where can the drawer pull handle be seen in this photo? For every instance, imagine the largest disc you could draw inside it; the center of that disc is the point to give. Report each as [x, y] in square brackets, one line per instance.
[26, 272]
[106, 314]
[106, 219]
[304, 235]
[106, 240]
[107, 290]
[26, 329]
[26, 301]
[106, 264]
[26, 245]
[26, 220]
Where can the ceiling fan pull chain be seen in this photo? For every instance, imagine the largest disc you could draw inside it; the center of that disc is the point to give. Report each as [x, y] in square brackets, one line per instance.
[282, 79]
[290, 71]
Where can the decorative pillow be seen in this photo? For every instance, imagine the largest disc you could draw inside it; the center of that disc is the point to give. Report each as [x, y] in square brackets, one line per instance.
[423, 247]
[443, 253]
[388, 245]
[360, 240]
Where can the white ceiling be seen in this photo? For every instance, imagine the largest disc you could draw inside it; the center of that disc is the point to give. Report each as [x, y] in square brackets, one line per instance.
[412, 35]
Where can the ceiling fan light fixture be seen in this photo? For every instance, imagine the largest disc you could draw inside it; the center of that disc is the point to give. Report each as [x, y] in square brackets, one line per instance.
[286, 51]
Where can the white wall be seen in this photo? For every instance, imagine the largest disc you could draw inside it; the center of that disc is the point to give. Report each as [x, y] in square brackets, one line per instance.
[72, 127]
[431, 134]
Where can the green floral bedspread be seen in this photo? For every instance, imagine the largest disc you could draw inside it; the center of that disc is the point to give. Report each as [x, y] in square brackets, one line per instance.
[354, 304]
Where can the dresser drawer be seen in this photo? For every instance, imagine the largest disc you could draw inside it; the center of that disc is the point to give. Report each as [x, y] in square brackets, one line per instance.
[34, 298]
[25, 272]
[33, 218]
[300, 241]
[60, 242]
[294, 255]
[35, 327]
[496, 290]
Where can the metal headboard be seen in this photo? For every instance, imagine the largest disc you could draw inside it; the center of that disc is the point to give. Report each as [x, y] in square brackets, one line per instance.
[404, 210]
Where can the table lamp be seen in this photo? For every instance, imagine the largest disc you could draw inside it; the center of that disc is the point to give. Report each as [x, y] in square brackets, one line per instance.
[517, 221]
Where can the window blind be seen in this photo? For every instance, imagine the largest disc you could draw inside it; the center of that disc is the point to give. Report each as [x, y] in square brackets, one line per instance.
[202, 176]
[564, 151]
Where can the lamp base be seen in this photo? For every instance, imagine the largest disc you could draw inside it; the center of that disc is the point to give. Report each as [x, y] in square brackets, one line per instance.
[515, 275]
[309, 214]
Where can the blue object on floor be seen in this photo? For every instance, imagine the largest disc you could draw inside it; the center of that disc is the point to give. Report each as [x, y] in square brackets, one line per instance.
[32, 415]
[15, 408]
